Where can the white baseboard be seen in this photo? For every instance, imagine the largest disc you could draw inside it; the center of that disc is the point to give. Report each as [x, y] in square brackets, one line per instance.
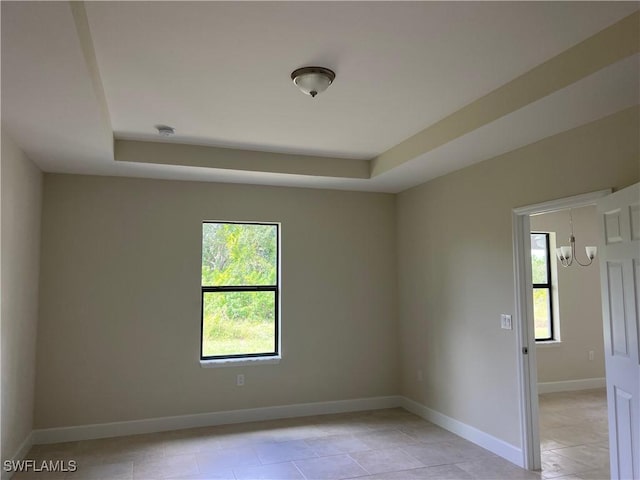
[571, 385]
[483, 439]
[151, 425]
[22, 451]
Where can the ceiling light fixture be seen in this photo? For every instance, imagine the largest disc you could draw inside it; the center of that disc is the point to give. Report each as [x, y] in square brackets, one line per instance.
[313, 80]
[165, 130]
[567, 254]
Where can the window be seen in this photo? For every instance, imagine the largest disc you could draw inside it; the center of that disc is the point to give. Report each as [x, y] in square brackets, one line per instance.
[240, 290]
[542, 286]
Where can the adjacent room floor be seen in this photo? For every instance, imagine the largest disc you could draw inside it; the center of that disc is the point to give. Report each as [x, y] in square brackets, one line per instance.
[574, 435]
[383, 444]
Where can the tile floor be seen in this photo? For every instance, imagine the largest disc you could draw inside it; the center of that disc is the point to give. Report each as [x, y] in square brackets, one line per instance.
[382, 445]
[574, 435]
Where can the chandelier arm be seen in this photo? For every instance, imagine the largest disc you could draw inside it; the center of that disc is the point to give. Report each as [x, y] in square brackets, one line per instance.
[584, 264]
[572, 241]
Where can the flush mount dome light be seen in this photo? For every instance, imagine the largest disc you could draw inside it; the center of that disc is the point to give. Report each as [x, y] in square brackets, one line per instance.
[313, 80]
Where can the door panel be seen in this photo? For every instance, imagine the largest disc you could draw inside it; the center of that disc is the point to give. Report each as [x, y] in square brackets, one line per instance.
[619, 262]
[612, 228]
[636, 297]
[624, 420]
[634, 213]
[617, 314]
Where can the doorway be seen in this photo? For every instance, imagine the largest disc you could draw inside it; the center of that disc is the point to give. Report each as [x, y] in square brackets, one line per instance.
[568, 329]
[525, 323]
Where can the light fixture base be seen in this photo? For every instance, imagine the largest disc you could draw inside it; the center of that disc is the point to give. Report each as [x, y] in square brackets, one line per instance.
[313, 80]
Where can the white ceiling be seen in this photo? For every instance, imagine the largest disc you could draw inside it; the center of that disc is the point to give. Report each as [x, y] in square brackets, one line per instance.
[219, 73]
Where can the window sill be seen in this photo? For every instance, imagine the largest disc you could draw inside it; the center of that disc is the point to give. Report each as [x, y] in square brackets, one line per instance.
[239, 362]
[549, 343]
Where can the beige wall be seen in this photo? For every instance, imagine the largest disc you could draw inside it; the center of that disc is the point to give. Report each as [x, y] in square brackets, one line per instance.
[21, 201]
[455, 265]
[119, 323]
[579, 303]
[119, 327]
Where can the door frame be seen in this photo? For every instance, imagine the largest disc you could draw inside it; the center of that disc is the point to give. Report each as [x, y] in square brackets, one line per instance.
[524, 324]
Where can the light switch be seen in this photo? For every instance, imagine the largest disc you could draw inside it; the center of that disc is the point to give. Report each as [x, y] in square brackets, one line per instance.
[505, 322]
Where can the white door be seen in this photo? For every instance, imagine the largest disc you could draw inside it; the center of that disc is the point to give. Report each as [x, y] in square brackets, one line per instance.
[619, 214]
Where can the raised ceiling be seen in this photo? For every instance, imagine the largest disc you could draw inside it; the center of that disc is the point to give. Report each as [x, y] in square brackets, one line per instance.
[422, 88]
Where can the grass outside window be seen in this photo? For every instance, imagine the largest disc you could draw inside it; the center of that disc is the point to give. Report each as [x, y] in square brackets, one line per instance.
[240, 290]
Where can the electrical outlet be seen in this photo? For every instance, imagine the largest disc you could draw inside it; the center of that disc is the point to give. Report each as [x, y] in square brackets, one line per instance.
[240, 380]
[591, 355]
[505, 322]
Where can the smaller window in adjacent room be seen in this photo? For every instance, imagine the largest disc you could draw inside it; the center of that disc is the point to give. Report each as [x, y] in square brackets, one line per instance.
[240, 290]
[542, 286]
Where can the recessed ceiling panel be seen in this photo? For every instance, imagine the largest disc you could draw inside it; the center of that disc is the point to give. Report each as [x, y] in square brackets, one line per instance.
[219, 71]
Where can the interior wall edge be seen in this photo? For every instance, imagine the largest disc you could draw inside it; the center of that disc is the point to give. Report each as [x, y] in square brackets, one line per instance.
[22, 188]
[20, 454]
[495, 445]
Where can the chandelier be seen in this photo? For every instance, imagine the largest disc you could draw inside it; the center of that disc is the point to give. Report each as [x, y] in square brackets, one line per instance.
[567, 254]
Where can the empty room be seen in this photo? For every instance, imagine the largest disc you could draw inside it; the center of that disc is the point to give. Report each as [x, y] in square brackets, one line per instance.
[320, 240]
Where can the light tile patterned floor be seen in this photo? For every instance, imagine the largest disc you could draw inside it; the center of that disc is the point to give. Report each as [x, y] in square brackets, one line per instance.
[574, 435]
[382, 445]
